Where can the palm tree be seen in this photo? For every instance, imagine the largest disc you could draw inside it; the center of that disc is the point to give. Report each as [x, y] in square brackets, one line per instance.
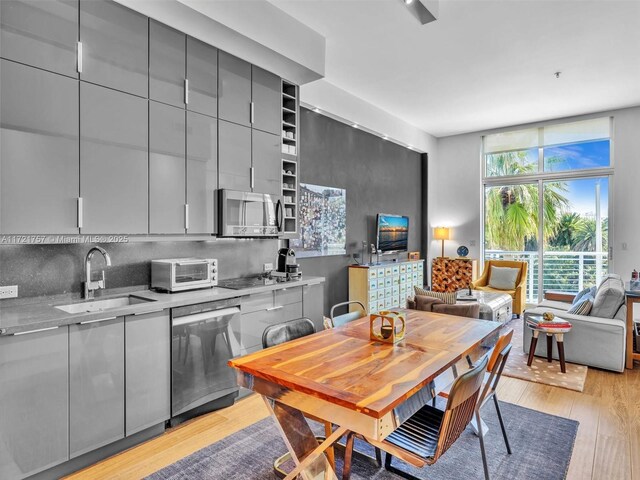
[585, 235]
[512, 210]
[565, 232]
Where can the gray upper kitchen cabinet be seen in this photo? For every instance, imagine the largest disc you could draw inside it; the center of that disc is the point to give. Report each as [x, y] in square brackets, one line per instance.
[266, 95]
[234, 89]
[148, 370]
[34, 400]
[166, 64]
[113, 161]
[202, 73]
[115, 50]
[166, 169]
[313, 304]
[96, 385]
[266, 163]
[202, 172]
[40, 34]
[234, 162]
[38, 151]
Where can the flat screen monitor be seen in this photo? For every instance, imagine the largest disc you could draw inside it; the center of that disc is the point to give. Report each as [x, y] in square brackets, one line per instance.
[392, 233]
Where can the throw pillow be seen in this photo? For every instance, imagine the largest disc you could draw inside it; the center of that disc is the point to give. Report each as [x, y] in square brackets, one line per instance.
[609, 297]
[582, 306]
[447, 297]
[503, 278]
[580, 294]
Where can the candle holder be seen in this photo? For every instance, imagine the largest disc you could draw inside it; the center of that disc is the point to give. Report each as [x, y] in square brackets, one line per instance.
[387, 326]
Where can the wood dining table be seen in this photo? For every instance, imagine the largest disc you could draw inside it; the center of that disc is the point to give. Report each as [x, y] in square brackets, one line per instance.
[357, 384]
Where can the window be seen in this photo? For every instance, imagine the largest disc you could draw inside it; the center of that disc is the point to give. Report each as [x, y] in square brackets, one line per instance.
[564, 147]
[546, 202]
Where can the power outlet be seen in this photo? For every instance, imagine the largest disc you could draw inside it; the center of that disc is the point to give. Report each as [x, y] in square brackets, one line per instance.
[267, 267]
[10, 291]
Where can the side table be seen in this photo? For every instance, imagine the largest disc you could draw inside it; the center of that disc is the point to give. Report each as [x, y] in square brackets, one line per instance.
[633, 296]
[550, 332]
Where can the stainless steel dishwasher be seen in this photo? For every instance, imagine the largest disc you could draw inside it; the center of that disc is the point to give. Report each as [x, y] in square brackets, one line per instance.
[201, 344]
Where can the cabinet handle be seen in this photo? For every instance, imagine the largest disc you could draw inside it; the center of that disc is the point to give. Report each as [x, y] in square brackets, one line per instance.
[97, 320]
[251, 112]
[80, 212]
[34, 331]
[275, 308]
[79, 52]
[253, 177]
[186, 91]
[186, 216]
[147, 313]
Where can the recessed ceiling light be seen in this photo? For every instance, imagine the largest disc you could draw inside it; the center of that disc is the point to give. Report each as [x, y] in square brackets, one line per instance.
[355, 125]
[408, 2]
[317, 110]
[385, 137]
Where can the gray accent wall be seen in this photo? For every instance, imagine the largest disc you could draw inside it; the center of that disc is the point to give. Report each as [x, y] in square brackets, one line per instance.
[379, 176]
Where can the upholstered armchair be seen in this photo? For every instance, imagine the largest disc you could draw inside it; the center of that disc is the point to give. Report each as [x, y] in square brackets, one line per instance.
[519, 294]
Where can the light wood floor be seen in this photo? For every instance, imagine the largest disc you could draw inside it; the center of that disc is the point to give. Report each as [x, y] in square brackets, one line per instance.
[607, 445]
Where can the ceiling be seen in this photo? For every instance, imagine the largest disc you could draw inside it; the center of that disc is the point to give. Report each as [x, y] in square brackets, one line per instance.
[484, 63]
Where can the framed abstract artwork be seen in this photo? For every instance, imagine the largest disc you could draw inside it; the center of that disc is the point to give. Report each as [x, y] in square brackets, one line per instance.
[323, 221]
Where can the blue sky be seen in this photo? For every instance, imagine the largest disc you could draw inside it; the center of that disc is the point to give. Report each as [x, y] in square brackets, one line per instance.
[577, 156]
[582, 196]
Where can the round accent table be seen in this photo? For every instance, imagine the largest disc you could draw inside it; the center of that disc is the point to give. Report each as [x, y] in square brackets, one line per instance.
[550, 332]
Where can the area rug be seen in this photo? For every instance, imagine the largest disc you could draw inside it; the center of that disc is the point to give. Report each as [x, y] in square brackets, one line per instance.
[542, 445]
[540, 370]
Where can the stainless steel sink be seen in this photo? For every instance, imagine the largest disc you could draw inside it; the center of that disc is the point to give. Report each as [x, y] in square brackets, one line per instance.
[103, 305]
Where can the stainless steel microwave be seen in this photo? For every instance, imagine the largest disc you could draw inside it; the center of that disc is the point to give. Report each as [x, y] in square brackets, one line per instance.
[178, 274]
[249, 214]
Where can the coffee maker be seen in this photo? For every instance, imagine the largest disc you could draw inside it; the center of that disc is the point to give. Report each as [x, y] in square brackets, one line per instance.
[287, 265]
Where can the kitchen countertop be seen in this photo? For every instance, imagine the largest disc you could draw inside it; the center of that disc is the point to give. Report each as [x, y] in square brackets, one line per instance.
[38, 316]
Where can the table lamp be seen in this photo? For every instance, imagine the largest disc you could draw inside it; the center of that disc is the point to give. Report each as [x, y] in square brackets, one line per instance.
[441, 233]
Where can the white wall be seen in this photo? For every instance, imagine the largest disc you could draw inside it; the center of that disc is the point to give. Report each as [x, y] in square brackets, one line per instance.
[455, 190]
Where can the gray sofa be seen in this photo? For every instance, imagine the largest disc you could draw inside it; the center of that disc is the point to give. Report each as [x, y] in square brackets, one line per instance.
[597, 340]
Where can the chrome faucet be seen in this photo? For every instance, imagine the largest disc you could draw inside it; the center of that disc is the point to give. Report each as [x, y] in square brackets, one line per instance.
[89, 286]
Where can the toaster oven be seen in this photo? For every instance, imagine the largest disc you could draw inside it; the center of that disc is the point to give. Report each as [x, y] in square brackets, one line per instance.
[179, 274]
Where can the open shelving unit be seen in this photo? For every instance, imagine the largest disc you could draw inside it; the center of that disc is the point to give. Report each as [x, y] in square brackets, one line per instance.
[290, 171]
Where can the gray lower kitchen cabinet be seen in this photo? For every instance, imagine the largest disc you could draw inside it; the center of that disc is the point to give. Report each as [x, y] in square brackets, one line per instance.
[115, 46]
[202, 172]
[266, 162]
[262, 310]
[266, 95]
[34, 399]
[40, 34]
[38, 151]
[166, 169]
[234, 89]
[202, 72]
[234, 162]
[167, 58]
[313, 304]
[113, 161]
[147, 370]
[96, 385]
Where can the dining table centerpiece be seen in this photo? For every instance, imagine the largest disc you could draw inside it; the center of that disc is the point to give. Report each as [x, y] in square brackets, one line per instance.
[387, 326]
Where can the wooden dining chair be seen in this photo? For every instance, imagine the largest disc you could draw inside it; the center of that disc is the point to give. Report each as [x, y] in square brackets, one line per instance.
[497, 362]
[339, 320]
[429, 433]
